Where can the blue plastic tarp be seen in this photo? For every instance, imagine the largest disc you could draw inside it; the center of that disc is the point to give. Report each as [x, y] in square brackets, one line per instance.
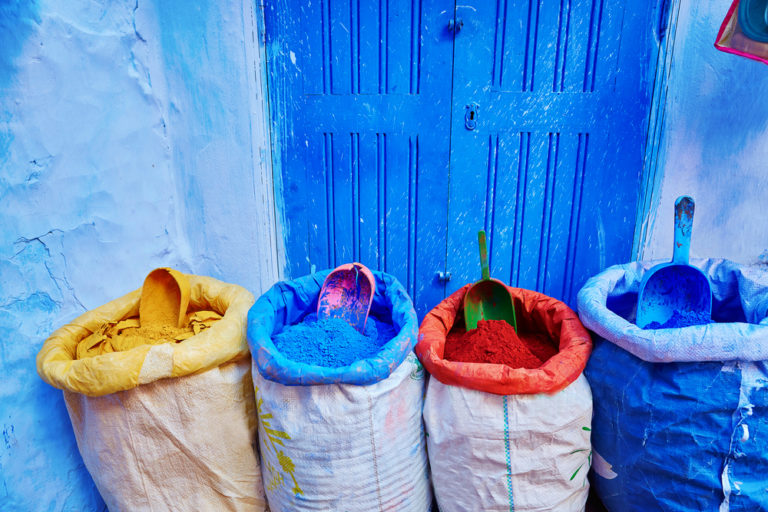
[287, 302]
[680, 415]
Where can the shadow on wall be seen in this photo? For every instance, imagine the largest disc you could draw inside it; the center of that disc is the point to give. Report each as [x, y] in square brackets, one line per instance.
[17, 22]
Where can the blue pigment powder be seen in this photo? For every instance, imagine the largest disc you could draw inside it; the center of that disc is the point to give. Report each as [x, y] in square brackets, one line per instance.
[681, 319]
[332, 342]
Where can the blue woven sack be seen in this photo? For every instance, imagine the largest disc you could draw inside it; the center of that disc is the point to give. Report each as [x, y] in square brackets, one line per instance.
[348, 438]
[287, 302]
[680, 415]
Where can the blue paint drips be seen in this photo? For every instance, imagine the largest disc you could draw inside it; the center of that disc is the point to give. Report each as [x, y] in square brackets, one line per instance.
[332, 342]
[682, 319]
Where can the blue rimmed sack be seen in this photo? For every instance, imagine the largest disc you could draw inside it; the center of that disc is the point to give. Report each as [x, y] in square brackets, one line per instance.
[348, 438]
[680, 415]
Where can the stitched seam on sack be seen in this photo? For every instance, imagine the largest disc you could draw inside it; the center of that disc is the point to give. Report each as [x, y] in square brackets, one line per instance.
[373, 448]
[506, 453]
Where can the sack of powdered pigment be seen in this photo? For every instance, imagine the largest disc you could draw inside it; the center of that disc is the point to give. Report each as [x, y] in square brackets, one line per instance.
[502, 437]
[339, 411]
[164, 418]
[681, 414]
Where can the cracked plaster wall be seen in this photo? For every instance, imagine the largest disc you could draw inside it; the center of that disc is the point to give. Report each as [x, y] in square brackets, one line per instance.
[131, 137]
[714, 144]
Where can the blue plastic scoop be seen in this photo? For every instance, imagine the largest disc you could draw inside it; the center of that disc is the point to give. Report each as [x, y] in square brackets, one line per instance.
[675, 287]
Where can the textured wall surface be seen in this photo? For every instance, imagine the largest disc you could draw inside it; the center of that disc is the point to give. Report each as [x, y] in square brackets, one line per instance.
[131, 137]
[714, 144]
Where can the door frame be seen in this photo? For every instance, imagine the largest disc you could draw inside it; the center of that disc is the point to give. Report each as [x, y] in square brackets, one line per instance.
[268, 182]
[653, 173]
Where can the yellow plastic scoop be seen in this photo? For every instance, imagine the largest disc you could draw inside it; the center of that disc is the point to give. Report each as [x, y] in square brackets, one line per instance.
[164, 298]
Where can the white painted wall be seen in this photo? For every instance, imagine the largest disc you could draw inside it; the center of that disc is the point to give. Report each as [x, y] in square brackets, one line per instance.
[132, 136]
[714, 144]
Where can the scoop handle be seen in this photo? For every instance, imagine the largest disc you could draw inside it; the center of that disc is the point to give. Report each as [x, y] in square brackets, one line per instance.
[684, 207]
[483, 255]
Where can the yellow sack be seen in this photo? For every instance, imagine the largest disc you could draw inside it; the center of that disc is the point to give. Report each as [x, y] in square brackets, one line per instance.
[152, 442]
[58, 365]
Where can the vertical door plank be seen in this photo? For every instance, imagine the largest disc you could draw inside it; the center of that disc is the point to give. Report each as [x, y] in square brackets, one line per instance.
[560, 215]
[318, 217]
[504, 251]
[369, 51]
[470, 166]
[340, 46]
[397, 200]
[342, 200]
[368, 200]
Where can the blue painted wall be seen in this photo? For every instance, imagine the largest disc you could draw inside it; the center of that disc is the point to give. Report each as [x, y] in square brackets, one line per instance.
[714, 144]
[129, 139]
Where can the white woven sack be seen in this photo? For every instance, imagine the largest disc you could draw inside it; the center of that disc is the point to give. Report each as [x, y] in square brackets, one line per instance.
[180, 444]
[342, 447]
[520, 453]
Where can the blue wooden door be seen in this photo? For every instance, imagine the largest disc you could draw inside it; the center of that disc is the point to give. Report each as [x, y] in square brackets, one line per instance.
[373, 157]
[557, 93]
[360, 98]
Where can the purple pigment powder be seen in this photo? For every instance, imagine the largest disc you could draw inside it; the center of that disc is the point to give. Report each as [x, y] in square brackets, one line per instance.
[682, 319]
[332, 342]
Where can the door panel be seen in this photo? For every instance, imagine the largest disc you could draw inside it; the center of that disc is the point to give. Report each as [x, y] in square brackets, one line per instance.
[552, 169]
[360, 99]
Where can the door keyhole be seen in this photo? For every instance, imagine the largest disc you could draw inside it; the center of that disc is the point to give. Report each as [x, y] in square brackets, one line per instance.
[470, 117]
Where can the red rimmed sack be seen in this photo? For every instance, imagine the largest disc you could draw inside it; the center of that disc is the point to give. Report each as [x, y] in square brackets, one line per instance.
[536, 312]
[505, 438]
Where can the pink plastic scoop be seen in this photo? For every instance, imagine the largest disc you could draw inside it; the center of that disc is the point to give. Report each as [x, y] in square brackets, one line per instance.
[347, 293]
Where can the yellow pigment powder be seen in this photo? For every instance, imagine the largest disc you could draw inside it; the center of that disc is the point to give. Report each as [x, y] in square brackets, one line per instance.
[127, 334]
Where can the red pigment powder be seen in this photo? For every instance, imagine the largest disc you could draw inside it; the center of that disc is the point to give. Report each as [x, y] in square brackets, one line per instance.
[496, 342]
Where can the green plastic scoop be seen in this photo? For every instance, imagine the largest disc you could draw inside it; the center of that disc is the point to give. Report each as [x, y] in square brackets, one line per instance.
[487, 299]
